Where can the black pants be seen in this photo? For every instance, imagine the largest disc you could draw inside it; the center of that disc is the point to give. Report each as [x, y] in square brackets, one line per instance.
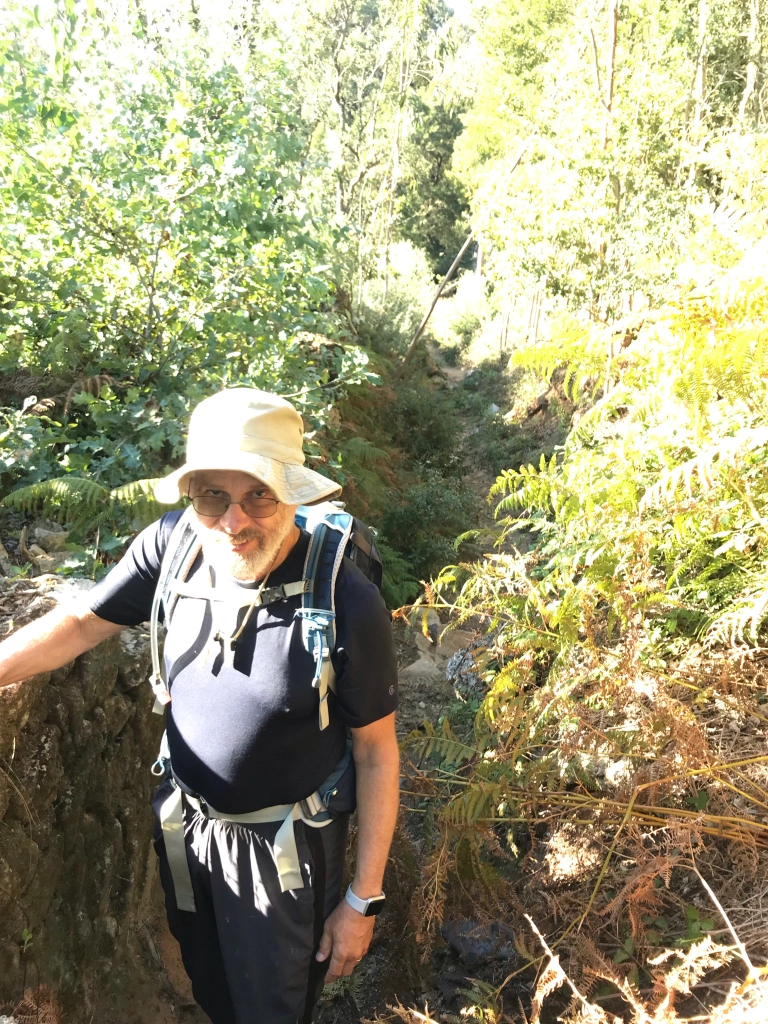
[249, 949]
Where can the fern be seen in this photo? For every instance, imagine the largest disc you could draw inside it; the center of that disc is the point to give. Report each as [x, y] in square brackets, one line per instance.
[477, 801]
[445, 744]
[87, 504]
[702, 465]
[60, 499]
[743, 619]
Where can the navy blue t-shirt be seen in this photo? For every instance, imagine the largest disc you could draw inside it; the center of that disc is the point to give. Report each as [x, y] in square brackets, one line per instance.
[248, 736]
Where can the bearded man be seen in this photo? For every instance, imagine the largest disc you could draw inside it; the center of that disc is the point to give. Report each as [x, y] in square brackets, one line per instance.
[251, 851]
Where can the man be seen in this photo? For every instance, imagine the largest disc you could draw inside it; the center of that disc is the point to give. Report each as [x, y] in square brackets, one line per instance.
[254, 903]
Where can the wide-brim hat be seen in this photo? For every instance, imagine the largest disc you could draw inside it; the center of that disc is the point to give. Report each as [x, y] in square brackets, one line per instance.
[254, 432]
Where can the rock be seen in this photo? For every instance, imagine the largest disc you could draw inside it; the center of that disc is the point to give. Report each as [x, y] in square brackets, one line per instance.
[5, 562]
[433, 626]
[50, 563]
[50, 540]
[424, 667]
[64, 591]
[36, 550]
[134, 657]
[75, 820]
[475, 942]
[423, 644]
[461, 670]
[572, 855]
[454, 640]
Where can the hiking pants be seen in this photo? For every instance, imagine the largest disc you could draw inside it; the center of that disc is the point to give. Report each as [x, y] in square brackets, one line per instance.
[249, 949]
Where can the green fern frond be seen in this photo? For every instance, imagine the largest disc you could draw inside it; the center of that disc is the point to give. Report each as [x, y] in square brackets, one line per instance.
[361, 452]
[742, 621]
[529, 487]
[703, 465]
[60, 499]
[87, 503]
[138, 497]
[478, 800]
[445, 744]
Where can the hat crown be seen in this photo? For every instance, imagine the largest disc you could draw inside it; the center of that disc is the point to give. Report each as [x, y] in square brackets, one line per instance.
[245, 420]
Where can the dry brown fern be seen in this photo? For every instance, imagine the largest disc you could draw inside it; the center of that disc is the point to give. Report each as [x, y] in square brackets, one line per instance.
[88, 385]
[428, 906]
[37, 1006]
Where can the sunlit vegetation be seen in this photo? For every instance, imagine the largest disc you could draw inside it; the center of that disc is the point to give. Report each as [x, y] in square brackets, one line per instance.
[269, 194]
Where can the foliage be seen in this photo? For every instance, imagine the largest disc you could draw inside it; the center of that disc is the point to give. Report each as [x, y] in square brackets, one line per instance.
[87, 505]
[150, 242]
[394, 299]
[639, 156]
[360, 65]
[633, 624]
[424, 424]
[432, 206]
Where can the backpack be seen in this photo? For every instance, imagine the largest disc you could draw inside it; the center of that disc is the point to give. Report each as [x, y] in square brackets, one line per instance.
[334, 533]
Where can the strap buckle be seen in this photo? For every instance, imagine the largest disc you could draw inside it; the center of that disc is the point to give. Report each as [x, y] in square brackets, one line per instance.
[312, 805]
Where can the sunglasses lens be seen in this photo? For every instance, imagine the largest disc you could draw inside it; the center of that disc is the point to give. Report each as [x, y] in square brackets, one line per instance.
[208, 506]
[259, 508]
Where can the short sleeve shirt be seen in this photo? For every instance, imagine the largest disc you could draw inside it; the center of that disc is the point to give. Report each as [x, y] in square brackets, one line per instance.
[247, 735]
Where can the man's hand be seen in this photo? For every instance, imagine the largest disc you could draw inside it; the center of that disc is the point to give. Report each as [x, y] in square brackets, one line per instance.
[346, 938]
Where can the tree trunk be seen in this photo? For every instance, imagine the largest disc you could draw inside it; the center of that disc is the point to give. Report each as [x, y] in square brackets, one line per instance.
[700, 79]
[610, 66]
[753, 42]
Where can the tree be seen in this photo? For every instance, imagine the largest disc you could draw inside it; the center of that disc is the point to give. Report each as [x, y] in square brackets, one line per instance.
[156, 240]
[432, 203]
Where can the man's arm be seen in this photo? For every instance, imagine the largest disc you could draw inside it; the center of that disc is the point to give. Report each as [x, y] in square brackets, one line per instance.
[347, 933]
[52, 641]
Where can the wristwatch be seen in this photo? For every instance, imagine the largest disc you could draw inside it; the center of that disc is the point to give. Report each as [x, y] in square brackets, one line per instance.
[369, 907]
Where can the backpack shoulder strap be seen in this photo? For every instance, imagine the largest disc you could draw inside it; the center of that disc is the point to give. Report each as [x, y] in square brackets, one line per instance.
[331, 528]
[183, 547]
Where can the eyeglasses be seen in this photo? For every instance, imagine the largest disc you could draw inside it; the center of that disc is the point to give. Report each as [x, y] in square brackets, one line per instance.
[255, 508]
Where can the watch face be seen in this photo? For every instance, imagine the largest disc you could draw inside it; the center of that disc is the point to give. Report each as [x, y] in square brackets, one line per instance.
[375, 906]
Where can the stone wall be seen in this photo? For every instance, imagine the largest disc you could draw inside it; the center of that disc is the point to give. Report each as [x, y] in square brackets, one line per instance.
[75, 827]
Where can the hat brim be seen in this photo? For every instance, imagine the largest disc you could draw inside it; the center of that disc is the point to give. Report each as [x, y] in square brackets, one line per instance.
[291, 484]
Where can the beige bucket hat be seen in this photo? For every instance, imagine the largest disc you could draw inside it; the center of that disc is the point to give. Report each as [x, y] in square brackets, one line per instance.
[254, 432]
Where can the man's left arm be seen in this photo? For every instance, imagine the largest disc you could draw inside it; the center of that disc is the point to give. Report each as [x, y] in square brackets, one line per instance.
[347, 933]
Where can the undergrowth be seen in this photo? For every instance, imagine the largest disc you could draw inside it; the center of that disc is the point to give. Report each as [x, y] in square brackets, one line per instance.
[609, 798]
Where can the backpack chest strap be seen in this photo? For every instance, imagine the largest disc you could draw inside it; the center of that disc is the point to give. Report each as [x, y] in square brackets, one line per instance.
[246, 599]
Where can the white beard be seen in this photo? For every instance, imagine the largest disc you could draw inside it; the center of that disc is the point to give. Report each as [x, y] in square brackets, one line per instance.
[254, 566]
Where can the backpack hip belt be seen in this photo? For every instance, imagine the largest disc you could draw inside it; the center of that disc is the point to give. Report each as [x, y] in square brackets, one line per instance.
[312, 811]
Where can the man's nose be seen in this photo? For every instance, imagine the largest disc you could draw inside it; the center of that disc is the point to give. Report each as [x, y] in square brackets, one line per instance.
[234, 520]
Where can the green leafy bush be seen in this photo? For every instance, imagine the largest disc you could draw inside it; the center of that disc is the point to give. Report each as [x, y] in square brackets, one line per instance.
[425, 424]
[157, 243]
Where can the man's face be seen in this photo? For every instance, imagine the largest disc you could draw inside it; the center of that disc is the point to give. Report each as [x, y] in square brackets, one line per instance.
[237, 543]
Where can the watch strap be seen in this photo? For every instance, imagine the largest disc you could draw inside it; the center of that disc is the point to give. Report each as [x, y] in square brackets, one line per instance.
[364, 906]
